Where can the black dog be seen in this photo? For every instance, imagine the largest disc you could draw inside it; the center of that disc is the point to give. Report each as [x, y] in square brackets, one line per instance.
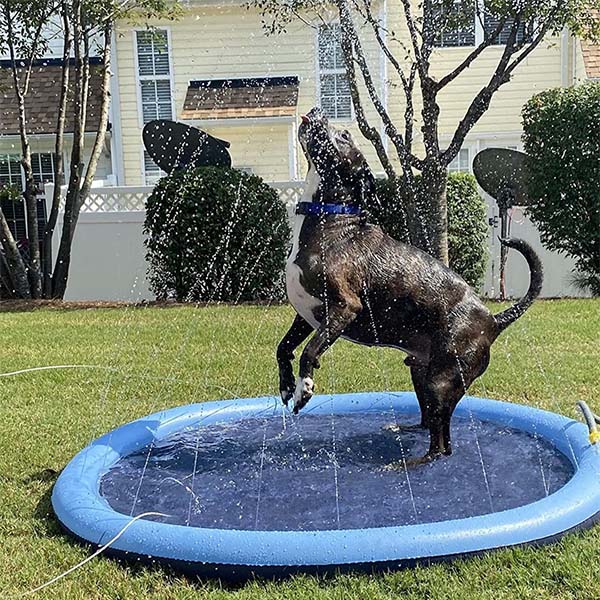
[346, 278]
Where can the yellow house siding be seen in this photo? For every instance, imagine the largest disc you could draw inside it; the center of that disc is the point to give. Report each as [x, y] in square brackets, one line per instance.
[229, 41]
[541, 70]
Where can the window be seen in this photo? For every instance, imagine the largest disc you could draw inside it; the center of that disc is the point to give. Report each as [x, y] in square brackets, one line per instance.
[490, 23]
[463, 26]
[152, 172]
[43, 169]
[334, 87]
[154, 74]
[11, 172]
[461, 163]
[247, 170]
[460, 27]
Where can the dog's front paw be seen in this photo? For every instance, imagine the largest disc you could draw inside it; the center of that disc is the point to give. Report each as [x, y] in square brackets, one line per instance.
[287, 392]
[304, 391]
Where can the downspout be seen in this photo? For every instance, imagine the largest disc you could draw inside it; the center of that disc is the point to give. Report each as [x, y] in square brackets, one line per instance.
[116, 134]
[565, 58]
[383, 71]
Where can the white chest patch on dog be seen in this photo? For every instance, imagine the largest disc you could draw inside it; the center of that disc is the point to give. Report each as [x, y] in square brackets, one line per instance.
[299, 298]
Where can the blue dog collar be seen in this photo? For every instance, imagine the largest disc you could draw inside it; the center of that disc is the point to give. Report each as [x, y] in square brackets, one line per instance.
[320, 208]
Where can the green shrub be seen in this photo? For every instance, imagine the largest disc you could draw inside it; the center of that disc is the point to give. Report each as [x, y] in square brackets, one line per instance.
[562, 138]
[467, 224]
[216, 234]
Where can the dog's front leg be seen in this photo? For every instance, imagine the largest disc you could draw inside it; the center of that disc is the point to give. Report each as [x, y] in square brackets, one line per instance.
[341, 314]
[297, 333]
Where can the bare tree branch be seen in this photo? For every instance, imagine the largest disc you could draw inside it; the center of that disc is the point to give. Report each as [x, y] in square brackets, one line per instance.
[482, 100]
[103, 125]
[349, 31]
[366, 129]
[466, 63]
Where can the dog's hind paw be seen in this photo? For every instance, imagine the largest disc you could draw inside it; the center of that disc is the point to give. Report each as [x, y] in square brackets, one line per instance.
[400, 427]
[304, 391]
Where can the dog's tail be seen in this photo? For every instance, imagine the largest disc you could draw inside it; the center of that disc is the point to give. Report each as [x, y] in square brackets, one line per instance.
[536, 277]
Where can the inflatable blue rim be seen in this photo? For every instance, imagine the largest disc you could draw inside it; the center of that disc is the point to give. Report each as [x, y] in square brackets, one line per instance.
[235, 554]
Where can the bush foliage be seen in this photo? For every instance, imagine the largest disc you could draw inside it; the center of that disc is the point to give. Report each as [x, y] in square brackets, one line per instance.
[216, 234]
[562, 138]
[467, 225]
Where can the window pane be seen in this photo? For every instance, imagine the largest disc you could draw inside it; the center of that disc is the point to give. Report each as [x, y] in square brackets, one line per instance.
[461, 163]
[10, 170]
[328, 106]
[326, 49]
[163, 90]
[490, 23]
[152, 52]
[344, 107]
[456, 24]
[328, 85]
[148, 91]
[149, 112]
[156, 100]
[152, 172]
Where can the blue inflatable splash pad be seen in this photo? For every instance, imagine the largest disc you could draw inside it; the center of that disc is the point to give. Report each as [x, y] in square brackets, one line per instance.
[244, 488]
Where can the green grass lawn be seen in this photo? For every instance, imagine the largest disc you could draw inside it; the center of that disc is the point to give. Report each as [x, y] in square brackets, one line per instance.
[155, 358]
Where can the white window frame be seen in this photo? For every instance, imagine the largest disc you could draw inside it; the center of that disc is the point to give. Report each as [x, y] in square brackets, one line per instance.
[139, 78]
[12, 158]
[150, 178]
[35, 161]
[321, 71]
[479, 30]
[457, 159]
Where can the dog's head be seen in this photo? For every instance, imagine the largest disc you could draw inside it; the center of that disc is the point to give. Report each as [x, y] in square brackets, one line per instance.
[343, 171]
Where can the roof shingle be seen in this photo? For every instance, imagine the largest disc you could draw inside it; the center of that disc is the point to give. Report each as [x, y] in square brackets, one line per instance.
[41, 102]
[591, 53]
[238, 98]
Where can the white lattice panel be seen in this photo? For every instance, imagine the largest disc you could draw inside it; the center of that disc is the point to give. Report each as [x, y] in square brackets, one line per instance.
[290, 192]
[116, 200]
[133, 199]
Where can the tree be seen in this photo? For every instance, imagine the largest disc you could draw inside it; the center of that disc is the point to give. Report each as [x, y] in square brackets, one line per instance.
[525, 24]
[85, 28]
[562, 140]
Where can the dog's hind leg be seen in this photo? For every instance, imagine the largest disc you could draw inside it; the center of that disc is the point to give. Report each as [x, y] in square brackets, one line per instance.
[297, 333]
[418, 375]
[444, 386]
[340, 316]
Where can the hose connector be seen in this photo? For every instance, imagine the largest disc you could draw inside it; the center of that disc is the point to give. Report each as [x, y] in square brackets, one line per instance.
[592, 420]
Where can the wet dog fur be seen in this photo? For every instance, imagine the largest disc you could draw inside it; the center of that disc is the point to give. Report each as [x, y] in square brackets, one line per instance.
[347, 278]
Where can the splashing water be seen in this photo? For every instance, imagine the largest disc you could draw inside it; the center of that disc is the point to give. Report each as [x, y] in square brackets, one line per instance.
[252, 475]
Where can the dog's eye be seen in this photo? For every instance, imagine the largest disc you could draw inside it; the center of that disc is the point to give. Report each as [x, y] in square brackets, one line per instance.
[346, 135]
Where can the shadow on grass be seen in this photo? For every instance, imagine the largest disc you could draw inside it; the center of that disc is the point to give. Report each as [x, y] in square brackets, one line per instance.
[24, 306]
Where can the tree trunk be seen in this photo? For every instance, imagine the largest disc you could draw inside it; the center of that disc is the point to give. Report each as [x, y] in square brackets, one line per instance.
[34, 269]
[61, 267]
[58, 158]
[428, 217]
[16, 266]
[75, 202]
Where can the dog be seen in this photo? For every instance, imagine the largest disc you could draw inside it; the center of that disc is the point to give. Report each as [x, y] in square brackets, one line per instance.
[346, 278]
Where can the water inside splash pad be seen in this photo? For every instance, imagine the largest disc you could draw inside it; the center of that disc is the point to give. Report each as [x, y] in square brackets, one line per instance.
[264, 474]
